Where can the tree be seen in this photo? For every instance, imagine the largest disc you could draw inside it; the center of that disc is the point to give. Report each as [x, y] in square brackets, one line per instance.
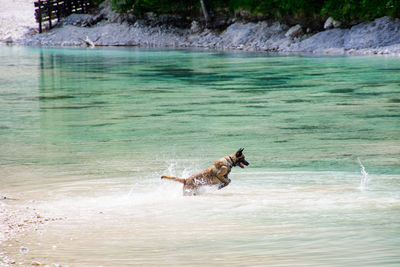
[204, 9]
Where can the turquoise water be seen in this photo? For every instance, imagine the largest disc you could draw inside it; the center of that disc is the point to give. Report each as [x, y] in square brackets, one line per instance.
[86, 134]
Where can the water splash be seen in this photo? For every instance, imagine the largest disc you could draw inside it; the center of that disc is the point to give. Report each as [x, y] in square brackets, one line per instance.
[364, 178]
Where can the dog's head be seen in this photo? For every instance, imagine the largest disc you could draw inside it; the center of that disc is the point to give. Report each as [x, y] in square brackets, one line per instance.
[238, 158]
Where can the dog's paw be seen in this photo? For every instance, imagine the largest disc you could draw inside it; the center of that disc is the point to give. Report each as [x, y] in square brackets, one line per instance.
[224, 184]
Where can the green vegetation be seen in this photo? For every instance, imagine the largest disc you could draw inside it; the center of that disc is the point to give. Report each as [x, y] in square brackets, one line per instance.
[345, 10]
[360, 9]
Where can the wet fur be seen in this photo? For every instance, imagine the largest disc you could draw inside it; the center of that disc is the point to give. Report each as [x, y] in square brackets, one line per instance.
[215, 175]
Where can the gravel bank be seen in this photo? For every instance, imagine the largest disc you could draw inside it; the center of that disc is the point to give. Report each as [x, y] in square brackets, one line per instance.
[17, 20]
[107, 28]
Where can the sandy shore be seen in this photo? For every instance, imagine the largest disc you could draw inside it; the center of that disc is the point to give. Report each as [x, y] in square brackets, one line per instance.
[16, 218]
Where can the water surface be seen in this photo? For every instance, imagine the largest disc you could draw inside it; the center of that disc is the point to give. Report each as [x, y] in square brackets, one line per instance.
[86, 133]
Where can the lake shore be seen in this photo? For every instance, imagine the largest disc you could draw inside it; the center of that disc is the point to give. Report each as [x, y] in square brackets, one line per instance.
[107, 28]
[16, 219]
[87, 133]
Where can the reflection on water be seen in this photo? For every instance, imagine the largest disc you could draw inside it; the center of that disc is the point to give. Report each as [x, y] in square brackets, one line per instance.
[85, 135]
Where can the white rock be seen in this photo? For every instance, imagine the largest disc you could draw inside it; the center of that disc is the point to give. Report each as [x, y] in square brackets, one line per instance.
[23, 249]
[331, 23]
[295, 31]
[195, 27]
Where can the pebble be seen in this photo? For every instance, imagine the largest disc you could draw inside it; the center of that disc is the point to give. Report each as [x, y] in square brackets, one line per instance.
[23, 249]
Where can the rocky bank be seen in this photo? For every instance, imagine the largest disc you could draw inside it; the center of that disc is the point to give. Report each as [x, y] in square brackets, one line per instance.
[107, 28]
[17, 20]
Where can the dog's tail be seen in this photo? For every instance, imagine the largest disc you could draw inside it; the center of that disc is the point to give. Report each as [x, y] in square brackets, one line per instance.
[181, 180]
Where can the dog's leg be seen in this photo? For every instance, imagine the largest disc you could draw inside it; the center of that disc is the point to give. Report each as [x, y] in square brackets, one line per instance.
[222, 186]
[189, 190]
[221, 175]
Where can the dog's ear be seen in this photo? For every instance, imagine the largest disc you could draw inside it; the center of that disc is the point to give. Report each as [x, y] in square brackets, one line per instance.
[239, 152]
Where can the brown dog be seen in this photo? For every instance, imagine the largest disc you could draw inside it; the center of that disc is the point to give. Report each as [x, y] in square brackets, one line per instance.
[216, 174]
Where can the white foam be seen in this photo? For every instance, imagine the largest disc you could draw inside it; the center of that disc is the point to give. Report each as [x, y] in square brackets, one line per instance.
[364, 179]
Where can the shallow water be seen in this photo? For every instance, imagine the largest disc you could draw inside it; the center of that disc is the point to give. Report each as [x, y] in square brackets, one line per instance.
[85, 135]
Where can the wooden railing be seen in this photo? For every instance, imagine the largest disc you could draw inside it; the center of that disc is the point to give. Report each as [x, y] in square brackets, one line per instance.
[51, 10]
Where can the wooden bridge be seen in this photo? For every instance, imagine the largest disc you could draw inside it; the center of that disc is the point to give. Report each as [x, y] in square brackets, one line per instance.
[52, 11]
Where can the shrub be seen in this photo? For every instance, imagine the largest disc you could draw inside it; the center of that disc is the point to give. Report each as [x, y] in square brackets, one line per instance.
[345, 10]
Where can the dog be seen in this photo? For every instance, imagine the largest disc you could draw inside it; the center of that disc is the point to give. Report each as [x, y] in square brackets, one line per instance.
[215, 175]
